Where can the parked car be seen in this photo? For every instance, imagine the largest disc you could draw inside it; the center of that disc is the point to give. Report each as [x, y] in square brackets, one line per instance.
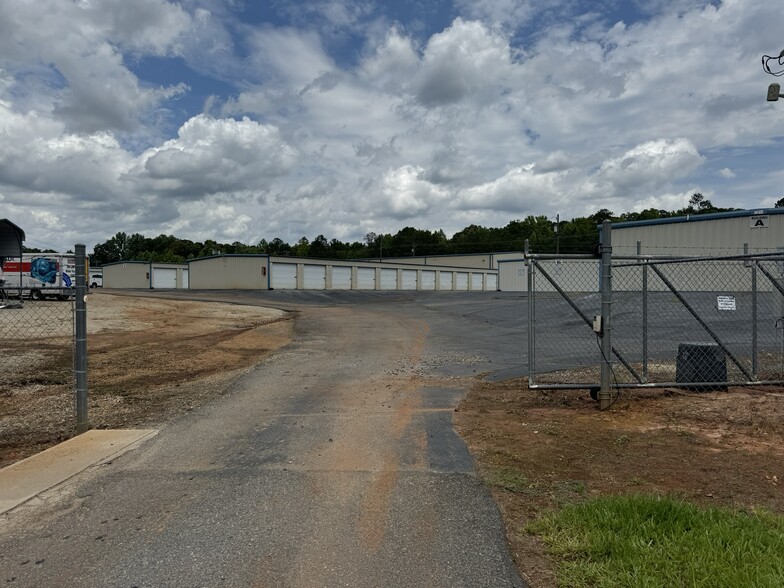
[96, 280]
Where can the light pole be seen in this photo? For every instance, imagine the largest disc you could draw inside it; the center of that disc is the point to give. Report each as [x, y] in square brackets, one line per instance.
[774, 90]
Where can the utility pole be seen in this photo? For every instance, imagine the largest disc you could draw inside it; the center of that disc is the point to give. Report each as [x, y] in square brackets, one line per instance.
[558, 233]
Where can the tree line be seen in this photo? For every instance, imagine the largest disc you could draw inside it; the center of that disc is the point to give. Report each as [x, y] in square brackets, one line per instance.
[578, 235]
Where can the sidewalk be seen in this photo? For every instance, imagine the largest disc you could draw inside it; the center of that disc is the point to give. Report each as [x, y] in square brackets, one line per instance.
[25, 479]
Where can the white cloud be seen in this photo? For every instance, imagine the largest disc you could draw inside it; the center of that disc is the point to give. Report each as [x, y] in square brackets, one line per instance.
[465, 61]
[511, 13]
[75, 48]
[217, 156]
[288, 55]
[478, 123]
[648, 166]
[406, 194]
[211, 216]
[392, 65]
[37, 155]
[638, 174]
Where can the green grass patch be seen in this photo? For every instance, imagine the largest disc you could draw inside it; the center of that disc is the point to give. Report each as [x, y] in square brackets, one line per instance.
[510, 480]
[651, 541]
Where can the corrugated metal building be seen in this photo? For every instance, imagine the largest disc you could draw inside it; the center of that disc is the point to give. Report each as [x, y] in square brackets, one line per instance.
[705, 235]
[144, 274]
[572, 275]
[229, 272]
[722, 233]
[261, 272]
[463, 260]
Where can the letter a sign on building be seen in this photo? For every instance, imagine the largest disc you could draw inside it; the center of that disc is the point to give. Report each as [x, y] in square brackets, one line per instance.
[759, 221]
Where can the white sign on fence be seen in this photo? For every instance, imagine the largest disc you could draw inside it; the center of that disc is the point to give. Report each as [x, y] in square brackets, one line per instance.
[726, 302]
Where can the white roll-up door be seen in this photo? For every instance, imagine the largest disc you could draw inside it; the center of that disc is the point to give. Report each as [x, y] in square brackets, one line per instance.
[428, 280]
[388, 279]
[409, 280]
[314, 277]
[366, 278]
[492, 282]
[284, 276]
[341, 277]
[164, 278]
[446, 280]
[185, 279]
[462, 281]
[476, 281]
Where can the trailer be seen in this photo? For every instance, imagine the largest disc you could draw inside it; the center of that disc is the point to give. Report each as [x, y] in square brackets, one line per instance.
[39, 275]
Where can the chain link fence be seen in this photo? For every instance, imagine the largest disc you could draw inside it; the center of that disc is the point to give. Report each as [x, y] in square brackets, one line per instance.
[37, 361]
[700, 323]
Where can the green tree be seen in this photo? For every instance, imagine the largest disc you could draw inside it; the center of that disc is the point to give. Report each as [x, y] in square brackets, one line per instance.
[301, 248]
[319, 247]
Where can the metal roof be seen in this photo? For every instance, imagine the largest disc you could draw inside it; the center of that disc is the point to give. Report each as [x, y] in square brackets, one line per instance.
[11, 238]
[690, 218]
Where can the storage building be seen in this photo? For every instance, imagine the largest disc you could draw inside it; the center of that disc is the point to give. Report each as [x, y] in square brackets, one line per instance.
[261, 272]
[704, 235]
[722, 233]
[464, 260]
[145, 274]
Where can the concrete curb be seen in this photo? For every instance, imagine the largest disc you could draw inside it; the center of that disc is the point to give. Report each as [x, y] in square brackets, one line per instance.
[27, 478]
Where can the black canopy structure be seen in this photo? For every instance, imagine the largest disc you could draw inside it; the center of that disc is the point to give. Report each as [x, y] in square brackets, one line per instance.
[11, 239]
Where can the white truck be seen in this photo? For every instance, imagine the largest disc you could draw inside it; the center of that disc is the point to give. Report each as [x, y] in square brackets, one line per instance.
[39, 275]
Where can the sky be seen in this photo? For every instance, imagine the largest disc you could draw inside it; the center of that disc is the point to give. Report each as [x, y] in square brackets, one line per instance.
[235, 120]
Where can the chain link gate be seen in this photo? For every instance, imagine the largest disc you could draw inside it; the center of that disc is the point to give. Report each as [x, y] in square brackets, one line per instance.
[700, 323]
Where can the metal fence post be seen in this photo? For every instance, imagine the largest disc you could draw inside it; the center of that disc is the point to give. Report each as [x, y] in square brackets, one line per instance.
[605, 396]
[530, 274]
[754, 351]
[80, 330]
[644, 315]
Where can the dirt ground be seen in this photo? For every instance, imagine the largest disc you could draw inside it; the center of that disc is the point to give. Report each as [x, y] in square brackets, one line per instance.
[151, 359]
[148, 360]
[541, 449]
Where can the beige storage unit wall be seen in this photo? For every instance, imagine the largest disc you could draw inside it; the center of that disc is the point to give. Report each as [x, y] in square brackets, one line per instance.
[260, 272]
[126, 274]
[513, 276]
[723, 233]
[229, 272]
[468, 260]
[143, 274]
[571, 275]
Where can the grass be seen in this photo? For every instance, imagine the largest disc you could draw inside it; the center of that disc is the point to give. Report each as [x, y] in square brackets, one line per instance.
[651, 541]
[510, 480]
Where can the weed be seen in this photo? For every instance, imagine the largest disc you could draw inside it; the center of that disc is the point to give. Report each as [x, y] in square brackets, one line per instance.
[511, 480]
[621, 441]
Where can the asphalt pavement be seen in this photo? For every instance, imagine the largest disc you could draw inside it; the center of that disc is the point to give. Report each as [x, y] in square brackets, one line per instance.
[333, 463]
